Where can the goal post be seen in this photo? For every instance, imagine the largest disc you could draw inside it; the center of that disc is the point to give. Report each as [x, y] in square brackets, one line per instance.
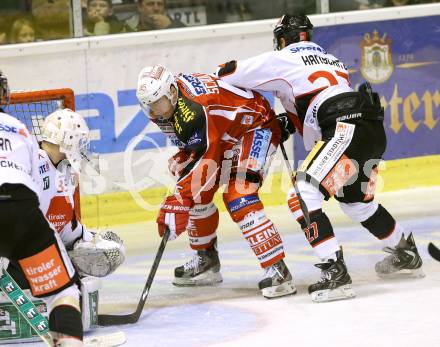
[31, 107]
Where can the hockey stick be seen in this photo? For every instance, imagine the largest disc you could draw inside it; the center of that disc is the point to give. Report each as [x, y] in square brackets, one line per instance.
[302, 204]
[25, 306]
[39, 323]
[110, 319]
[434, 251]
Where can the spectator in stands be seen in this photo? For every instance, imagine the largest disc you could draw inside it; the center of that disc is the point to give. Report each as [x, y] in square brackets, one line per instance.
[22, 31]
[3, 34]
[151, 16]
[369, 4]
[100, 19]
[52, 19]
[3, 37]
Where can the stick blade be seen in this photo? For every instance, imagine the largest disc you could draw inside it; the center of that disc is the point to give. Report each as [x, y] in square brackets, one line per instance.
[434, 251]
[106, 320]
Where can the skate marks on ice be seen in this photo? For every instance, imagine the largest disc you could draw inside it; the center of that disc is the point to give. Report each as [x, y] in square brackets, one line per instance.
[385, 312]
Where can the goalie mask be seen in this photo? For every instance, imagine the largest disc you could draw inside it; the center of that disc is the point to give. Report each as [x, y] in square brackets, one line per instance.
[69, 131]
[292, 28]
[154, 82]
[4, 89]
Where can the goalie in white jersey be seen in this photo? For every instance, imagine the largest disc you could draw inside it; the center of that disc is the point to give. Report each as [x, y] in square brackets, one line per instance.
[26, 236]
[65, 142]
[343, 130]
[65, 145]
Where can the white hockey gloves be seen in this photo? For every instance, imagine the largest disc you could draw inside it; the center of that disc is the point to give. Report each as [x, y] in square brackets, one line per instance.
[98, 254]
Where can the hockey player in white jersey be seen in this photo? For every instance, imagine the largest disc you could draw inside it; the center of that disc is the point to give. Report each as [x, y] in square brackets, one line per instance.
[343, 130]
[26, 236]
[65, 142]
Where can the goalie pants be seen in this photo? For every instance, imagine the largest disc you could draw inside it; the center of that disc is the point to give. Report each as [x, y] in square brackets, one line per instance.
[343, 166]
[38, 260]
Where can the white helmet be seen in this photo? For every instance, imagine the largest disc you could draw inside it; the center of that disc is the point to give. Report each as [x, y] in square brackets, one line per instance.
[69, 130]
[153, 83]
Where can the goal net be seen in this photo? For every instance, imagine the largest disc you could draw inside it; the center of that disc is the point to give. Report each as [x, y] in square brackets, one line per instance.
[31, 107]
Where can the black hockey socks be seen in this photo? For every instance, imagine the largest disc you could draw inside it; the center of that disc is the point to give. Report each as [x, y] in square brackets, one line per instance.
[381, 224]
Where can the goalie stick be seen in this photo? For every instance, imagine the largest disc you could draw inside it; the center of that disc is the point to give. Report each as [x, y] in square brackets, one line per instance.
[302, 204]
[434, 251]
[110, 319]
[39, 323]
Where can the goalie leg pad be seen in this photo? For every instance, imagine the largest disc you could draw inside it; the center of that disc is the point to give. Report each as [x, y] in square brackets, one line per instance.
[89, 302]
[202, 226]
[320, 234]
[100, 256]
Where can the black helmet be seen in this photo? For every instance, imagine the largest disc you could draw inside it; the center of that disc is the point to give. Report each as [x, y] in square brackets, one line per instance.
[292, 28]
[4, 89]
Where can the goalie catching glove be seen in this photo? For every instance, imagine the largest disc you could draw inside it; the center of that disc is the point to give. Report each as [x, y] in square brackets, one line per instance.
[174, 213]
[98, 254]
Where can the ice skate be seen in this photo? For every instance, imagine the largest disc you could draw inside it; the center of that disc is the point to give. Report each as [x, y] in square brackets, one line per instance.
[277, 281]
[404, 260]
[202, 270]
[335, 282]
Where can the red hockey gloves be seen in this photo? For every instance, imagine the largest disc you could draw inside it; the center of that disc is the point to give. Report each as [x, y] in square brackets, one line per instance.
[286, 126]
[173, 213]
[178, 162]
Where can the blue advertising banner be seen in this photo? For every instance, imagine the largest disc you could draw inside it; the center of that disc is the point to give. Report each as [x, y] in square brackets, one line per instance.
[401, 59]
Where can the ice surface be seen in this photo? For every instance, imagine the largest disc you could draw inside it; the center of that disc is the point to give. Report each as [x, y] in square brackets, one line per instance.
[403, 312]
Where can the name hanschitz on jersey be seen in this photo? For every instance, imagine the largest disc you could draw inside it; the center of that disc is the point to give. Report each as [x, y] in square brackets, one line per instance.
[314, 59]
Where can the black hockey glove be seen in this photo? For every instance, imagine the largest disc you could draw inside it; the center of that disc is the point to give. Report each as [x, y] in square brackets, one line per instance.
[286, 126]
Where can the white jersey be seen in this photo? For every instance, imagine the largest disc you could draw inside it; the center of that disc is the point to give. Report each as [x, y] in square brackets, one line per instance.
[302, 76]
[57, 200]
[18, 154]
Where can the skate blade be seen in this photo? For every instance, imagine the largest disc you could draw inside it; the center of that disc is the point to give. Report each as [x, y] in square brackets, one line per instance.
[286, 288]
[340, 293]
[404, 273]
[208, 278]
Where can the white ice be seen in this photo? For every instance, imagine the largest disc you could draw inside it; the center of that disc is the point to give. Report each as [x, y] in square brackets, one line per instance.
[402, 312]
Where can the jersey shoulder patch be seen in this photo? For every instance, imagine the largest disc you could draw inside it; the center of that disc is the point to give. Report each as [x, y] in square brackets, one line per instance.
[198, 84]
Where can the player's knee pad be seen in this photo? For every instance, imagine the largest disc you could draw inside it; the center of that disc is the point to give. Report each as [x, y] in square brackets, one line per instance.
[359, 211]
[262, 237]
[311, 196]
[320, 234]
[240, 205]
[64, 313]
[202, 225]
[381, 224]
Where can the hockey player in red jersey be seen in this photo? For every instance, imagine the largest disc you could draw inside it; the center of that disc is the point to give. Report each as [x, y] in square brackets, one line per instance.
[343, 130]
[26, 236]
[226, 137]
